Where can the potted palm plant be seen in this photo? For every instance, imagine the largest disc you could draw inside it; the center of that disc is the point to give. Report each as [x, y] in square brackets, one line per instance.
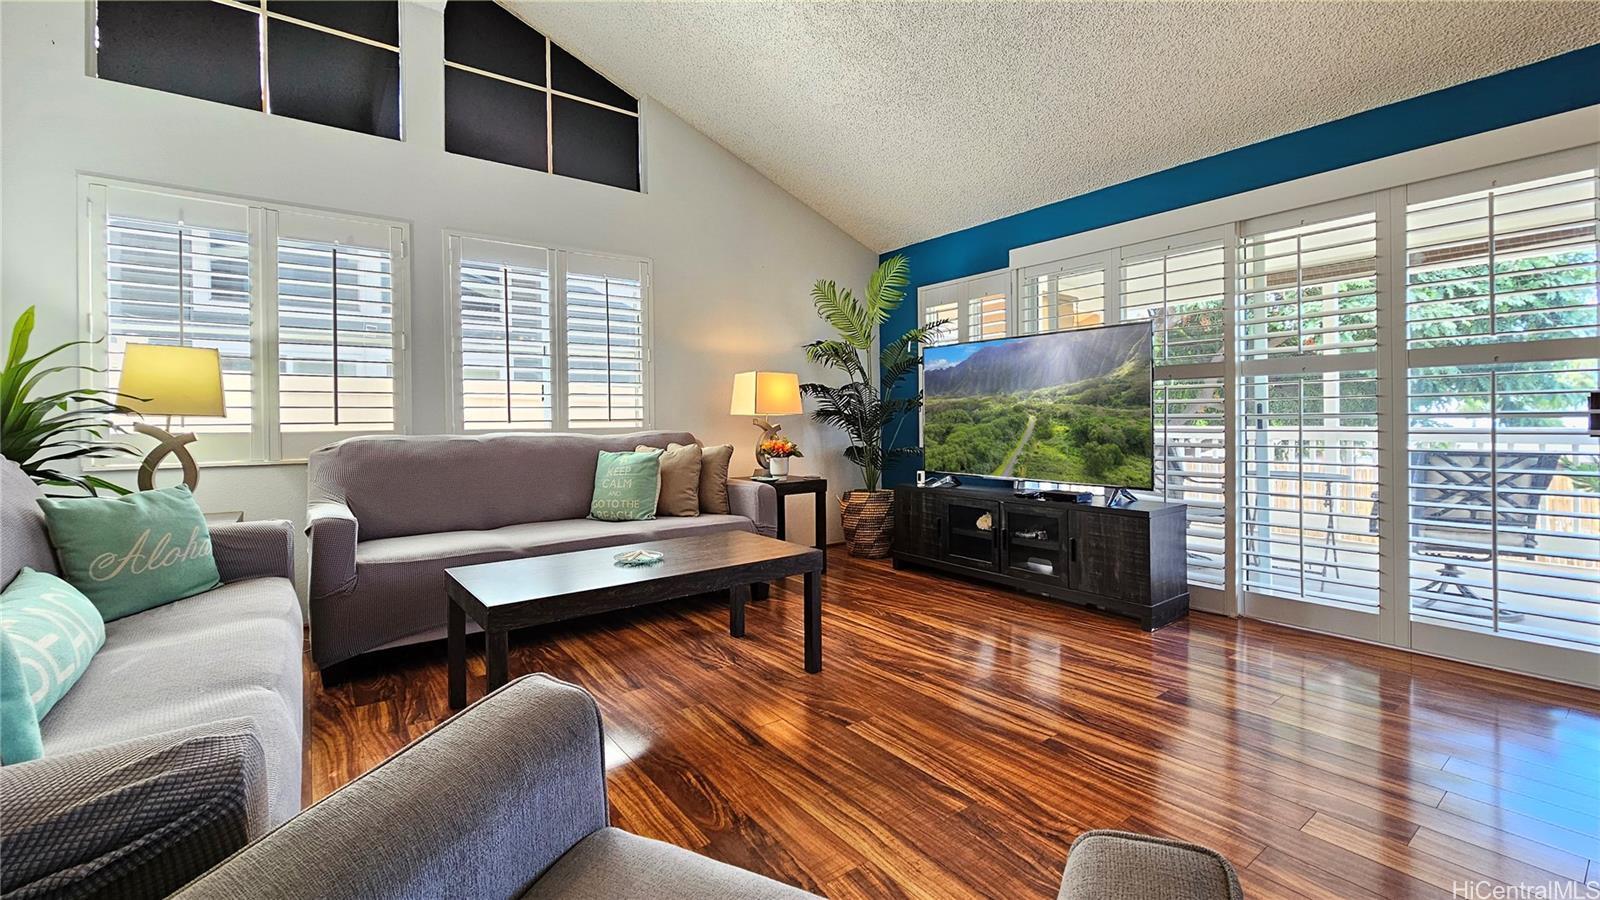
[49, 435]
[863, 406]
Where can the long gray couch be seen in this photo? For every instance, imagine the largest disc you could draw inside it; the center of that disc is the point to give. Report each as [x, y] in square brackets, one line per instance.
[388, 514]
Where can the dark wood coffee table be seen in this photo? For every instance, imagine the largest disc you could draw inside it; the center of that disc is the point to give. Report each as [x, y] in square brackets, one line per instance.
[518, 593]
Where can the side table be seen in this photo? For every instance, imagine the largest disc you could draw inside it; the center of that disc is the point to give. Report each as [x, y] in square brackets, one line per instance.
[790, 485]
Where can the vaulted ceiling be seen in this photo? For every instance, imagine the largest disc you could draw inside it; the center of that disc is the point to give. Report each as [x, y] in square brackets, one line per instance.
[901, 121]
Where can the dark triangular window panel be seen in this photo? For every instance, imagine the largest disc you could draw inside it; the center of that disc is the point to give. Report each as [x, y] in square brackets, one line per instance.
[569, 75]
[204, 50]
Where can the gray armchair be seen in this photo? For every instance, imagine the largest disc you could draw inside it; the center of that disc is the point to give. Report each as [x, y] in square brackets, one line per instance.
[505, 800]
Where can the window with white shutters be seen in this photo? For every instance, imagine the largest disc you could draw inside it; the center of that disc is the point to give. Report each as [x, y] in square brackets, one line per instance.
[301, 307]
[604, 325]
[973, 309]
[549, 338]
[1308, 394]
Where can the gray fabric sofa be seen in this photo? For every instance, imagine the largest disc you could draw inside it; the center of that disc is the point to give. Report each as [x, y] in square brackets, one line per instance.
[505, 800]
[220, 669]
[388, 514]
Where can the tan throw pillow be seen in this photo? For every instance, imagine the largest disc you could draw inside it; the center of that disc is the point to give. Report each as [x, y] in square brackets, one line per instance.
[680, 480]
[714, 478]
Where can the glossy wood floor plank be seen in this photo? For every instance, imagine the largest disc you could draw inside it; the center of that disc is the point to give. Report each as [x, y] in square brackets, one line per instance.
[959, 737]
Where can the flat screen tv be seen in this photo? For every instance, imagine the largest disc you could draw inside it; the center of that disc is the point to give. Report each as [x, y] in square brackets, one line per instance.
[1070, 406]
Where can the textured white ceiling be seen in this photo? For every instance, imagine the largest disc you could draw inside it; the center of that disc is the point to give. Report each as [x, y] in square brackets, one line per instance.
[903, 121]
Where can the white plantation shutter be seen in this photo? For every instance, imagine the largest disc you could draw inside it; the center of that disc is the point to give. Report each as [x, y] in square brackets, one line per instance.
[1181, 287]
[1502, 498]
[605, 341]
[947, 316]
[549, 338]
[1064, 295]
[506, 360]
[1310, 453]
[1505, 256]
[180, 285]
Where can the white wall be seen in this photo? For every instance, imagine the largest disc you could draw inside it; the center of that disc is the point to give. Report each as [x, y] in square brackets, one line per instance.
[733, 255]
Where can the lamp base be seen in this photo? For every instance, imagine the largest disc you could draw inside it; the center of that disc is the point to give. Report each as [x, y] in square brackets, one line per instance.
[166, 442]
[768, 432]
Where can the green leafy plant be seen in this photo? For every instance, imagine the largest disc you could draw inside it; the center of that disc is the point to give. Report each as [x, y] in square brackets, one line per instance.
[41, 434]
[863, 407]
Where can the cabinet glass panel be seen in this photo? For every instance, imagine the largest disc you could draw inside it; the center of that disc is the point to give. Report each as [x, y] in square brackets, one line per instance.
[1034, 544]
[970, 531]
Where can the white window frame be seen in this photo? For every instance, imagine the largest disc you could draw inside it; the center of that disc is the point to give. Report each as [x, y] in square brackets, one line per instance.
[266, 444]
[558, 255]
[961, 292]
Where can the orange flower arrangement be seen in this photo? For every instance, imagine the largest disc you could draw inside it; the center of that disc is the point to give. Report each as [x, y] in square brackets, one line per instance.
[780, 448]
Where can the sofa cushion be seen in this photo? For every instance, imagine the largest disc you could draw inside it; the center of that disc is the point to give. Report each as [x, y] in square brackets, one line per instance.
[612, 864]
[134, 552]
[232, 652]
[54, 631]
[714, 462]
[680, 481]
[139, 818]
[24, 539]
[626, 486]
[19, 723]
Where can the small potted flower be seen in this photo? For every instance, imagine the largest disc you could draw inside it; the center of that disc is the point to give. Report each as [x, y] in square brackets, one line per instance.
[778, 450]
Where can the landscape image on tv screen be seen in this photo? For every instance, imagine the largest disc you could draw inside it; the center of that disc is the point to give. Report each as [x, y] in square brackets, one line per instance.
[1072, 406]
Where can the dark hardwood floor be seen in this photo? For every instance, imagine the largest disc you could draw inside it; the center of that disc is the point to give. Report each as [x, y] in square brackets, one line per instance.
[959, 737]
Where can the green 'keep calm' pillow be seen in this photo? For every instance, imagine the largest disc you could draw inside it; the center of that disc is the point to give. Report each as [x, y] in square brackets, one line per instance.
[129, 554]
[626, 486]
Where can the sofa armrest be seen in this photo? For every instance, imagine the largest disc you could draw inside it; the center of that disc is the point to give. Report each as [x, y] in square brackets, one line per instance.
[333, 531]
[478, 807]
[263, 549]
[139, 818]
[755, 501]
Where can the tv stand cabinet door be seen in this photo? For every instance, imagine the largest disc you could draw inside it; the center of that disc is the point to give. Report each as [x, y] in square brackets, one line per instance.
[1110, 556]
[964, 542]
[918, 529]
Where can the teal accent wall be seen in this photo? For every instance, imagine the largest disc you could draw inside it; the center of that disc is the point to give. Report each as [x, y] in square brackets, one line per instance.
[1556, 85]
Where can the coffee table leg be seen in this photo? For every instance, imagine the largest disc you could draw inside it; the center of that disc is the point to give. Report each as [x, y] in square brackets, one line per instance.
[738, 596]
[495, 650]
[457, 640]
[814, 621]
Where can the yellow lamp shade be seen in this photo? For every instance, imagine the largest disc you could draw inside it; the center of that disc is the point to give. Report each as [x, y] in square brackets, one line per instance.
[766, 394]
[172, 381]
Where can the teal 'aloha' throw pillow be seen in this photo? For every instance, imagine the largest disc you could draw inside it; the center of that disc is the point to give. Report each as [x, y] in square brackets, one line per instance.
[131, 553]
[626, 485]
[54, 631]
[19, 724]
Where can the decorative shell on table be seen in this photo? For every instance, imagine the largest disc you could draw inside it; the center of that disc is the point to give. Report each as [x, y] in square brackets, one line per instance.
[985, 522]
[633, 558]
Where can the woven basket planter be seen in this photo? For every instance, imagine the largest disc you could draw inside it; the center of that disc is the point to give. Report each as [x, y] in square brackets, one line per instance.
[868, 520]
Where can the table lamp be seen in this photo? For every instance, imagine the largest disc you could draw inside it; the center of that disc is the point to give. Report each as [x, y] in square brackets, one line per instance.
[170, 381]
[763, 394]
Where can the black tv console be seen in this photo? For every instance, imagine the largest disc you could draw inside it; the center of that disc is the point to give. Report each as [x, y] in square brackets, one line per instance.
[1128, 560]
